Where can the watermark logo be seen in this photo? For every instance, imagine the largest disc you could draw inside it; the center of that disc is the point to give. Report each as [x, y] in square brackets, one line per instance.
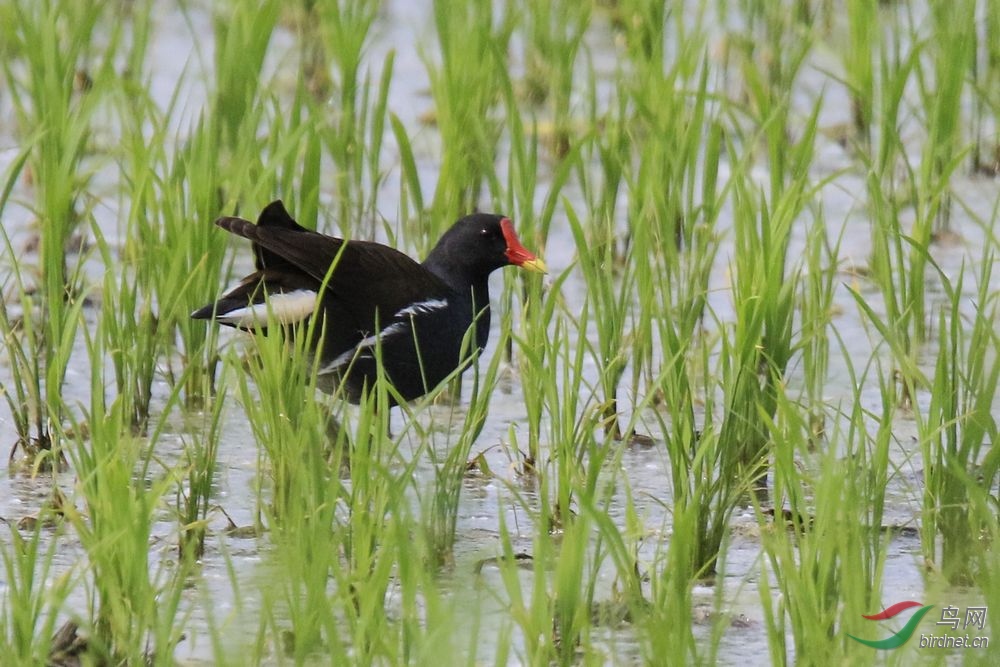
[901, 637]
[975, 617]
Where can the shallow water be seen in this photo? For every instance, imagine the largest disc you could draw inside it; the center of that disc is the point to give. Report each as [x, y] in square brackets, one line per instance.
[403, 26]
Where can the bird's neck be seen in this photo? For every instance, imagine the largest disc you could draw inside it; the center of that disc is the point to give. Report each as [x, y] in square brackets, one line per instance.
[455, 274]
[470, 286]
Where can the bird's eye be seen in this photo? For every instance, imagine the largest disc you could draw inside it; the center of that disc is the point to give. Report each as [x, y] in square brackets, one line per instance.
[484, 231]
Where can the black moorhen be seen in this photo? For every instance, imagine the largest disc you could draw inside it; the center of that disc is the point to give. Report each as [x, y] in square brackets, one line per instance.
[417, 314]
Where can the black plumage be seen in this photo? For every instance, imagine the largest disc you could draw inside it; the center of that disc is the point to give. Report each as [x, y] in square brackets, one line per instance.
[370, 295]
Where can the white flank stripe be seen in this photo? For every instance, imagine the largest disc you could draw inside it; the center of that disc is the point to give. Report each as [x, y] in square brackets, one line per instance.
[286, 307]
[428, 306]
[363, 345]
[367, 343]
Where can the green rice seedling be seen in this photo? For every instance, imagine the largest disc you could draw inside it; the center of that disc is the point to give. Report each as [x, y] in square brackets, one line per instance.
[313, 57]
[824, 542]
[286, 417]
[194, 499]
[33, 594]
[113, 471]
[647, 253]
[434, 617]
[168, 626]
[774, 47]
[303, 615]
[184, 269]
[896, 62]
[750, 377]
[175, 251]
[23, 391]
[818, 551]
[909, 374]
[554, 36]
[188, 252]
[712, 465]
[573, 492]
[131, 337]
[859, 64]
[574, 455]
[889, 261]
[554, 616]
[372, 534]
[241, 39]
[769, 94]
[538, 302]
[345, 29]
[528, 609]
[667, 625]
[983, 504]
[952, 52]
[32, 356]
[411, 196]
[611, 149]
[139, 18]
[866, 456]
[535, 353]
[302, 490]
[584, 472]
[764, 290]
[644, 24]
[439, 512]
[524, 168]
[876, 479]
[895, 67]
[816, 312]
[610, 299]
[572, 592]
[618, 544]
[179, 254]
[328, 528]
[520, 196]
[653, 144]
[332, 597]
[707, 481]
[958, 423]
[672, 220]
[985, 154]
[705, 489]
[54, 41]
[375, 501]
[353, 129]
[465, 87]
[670, 96]
[293, 150]
[169, 247]
[147, 279]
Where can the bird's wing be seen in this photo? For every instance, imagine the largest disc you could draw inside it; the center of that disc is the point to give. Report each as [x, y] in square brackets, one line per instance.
[370, 283]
